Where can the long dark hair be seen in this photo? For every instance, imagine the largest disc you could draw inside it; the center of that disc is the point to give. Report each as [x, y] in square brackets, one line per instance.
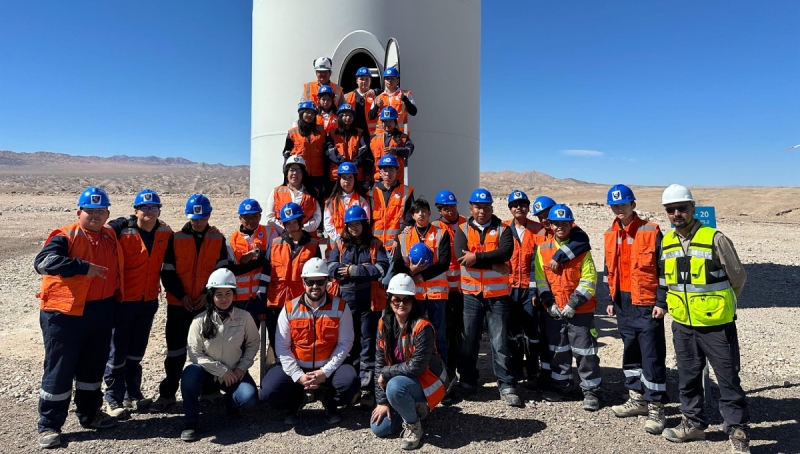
[306, 129]
[390, 328]
[306, 182]
[366, 237]
[209, 328]
[338, 192]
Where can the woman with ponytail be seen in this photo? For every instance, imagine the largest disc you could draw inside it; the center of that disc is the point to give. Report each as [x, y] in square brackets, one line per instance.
[219, 361]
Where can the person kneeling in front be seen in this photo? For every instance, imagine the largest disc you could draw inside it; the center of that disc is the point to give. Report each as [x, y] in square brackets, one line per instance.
[411, 376]
[222, 345]
[315, 333]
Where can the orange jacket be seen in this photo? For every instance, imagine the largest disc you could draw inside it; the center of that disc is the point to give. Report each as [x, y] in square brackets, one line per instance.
[247, 283]
[454, 273]
[283, 195]
[522, 260]
[347, 148]
[436, 288]
[630, 255]
[564, 282]
[142, 271]
[314, 333]
[68, 295]
[398, 104]
[285, 282]
[350, 98]
[193, 269]
[328, 123]
[337, 209]
[475, 281]
[378, 147]
[311, 90]
[388, 217]
[310, 148]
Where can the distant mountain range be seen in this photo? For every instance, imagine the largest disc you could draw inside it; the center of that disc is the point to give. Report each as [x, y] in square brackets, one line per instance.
[40, 159]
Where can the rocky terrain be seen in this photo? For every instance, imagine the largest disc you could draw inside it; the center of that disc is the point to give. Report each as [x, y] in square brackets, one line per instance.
[37, 196]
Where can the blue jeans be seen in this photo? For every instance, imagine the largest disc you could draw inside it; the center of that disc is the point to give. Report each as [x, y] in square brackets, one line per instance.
[434, 310]
[497, 312]
[132, 325]
[240, 395]
[403, 394]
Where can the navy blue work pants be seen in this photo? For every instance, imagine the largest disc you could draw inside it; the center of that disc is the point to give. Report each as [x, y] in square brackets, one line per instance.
[129, 338]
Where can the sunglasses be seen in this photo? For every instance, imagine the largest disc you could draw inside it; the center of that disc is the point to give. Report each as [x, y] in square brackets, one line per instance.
[401, 301]
[315, 282]
[146, 209]
[680, 208]
[518, 205]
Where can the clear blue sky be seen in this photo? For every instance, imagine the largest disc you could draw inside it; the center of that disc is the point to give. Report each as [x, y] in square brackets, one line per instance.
[643, 92]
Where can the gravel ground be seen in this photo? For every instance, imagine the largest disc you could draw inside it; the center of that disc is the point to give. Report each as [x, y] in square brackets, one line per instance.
[767, 329]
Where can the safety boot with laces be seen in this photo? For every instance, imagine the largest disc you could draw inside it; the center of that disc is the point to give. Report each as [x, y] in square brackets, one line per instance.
[655, 418]
[634, 406]
[412, 435]
[683, 432]
[117, 411]
[101, 421]
[49, 439]
[740, 443]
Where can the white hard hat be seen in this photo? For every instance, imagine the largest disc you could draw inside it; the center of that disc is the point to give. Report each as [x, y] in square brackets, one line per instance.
[402, 284]
[315, 267]
[221, 278]
[676, 193]
[294, 159]
[323, 64]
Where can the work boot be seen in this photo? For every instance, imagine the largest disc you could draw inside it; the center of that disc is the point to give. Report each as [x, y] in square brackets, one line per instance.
[683, 432]
[137, 404]
[551, 395]
[512, 400]
[189, 432]
[423, 411]
[161, 404]
[655, 418]
[740, 443]
[367, 399]
[412, 435]
[117, 411]
[49, 439]
[293, 417]
[634, 406]
[101, 421]
[332, 415]
[590, 401]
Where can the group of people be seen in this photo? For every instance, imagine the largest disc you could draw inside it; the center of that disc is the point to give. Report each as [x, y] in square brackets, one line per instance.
[390, 313]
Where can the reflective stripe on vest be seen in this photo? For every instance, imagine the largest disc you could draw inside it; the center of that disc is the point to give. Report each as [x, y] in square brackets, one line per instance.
[475, 281]
[641, 260]
[282, 195]
[285, 282]
[521, 272]
[194, 268]
[437, 287]
[567, 280]
[388, 216]
[247, 283]
[314, 333]
[311, 148]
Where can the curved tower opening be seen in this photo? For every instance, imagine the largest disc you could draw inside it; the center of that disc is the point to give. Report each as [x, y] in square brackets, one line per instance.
[357, 59]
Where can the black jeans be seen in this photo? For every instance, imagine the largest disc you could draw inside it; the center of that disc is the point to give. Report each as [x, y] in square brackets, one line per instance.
[177, 330]
[497, 312]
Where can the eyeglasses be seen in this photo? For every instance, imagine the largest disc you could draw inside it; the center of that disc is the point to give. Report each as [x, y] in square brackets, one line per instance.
[680, 208]
[513, 205]
[150, 209]
[294, 170]
[401, 301]
[315, 282]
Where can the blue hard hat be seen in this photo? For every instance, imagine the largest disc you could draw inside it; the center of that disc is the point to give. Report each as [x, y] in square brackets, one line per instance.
[325, 90]
[249, 206]
[291, 211]
[94, 197]
[355, 213]
[146, 197]
[517, 195]
[363, 71]
[481, 195]
[560, 212]
[307, 105]
[446, 198]
[420, 252]
[391, 72]
[345, 108]
[619, 194]
[388, 161]
[388, 113]
[198, 207]
[542, 203]
[346, 168]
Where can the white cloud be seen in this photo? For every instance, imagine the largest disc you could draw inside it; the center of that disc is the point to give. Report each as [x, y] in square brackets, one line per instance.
[583, 153]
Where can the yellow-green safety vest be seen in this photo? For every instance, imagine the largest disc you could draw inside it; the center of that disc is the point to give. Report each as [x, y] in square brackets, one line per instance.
[698, 290]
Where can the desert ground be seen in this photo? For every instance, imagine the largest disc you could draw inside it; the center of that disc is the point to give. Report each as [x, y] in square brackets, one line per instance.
[37, 195]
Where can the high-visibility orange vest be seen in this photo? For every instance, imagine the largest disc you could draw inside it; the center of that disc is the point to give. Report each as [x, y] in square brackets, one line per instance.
[282, 195]
[67, 295]
[285, 282]
[194, 269]
[387, 216]
[310, 148]
[632, 258]
[348, 149]
[523, 253]
[437, 287]
[454, 272]
[337, 209]
[475, 281]
[142, 271]
[564, 282]
[378, 147]
[314, 333]
[350, 98]
[327, 124]
[394, 100]
[247, 283]
[377, 293]
[311, 90]
[432, 386]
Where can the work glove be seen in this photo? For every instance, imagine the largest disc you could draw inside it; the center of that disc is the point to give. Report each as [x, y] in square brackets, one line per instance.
[554, 312]
[568, 311]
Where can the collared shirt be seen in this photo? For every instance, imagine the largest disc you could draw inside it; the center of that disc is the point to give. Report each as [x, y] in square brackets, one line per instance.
[723, 254]
[312, 221]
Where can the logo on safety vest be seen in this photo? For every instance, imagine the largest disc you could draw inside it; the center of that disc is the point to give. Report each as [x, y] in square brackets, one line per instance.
[198, 209]
[148, 197]
[493, 232]
[397, 196]
[248, 206]
[537, 206]
[616, 195]
[95, 199]
[431, 236]
[261, 234]
[561, 213]
[287, 212]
